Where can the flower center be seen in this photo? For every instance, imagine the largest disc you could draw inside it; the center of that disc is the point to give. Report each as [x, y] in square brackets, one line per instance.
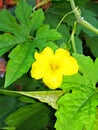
[54, 66]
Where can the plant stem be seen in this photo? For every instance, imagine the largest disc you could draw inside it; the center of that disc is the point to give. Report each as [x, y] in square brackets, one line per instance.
[73, 31]
[64, 18]
[41, 3]
[72, 37]
[81, 19]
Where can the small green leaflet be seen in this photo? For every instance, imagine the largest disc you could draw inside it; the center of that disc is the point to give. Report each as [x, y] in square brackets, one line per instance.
[77, 110]
[28, 20]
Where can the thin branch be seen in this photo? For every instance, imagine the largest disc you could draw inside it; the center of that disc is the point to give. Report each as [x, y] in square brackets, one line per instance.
[81, 19]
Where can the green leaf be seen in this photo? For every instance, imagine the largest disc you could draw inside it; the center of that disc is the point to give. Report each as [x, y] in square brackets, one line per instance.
[86, 64]
[65, 31]
[96, 122]
[96, 70]
[27, 20]
[75, 108]
[7, 105]
[42, 46]
[23, 13]
[20, 61]
[78, 44]
[21, 29]
[57, 12]
[49, 97]
[51, 45]
[81, 2]
[92, 6]
[8, 23]
[37, 19]
[8, 41]
[47, 34]
[26, 99]
[35, 116]
[92, 43]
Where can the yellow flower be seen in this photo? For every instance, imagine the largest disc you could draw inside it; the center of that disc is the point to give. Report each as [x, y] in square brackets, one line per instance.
[52, 66]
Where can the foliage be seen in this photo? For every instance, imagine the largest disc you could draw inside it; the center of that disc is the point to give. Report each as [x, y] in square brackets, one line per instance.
[79, 105]
[26, 103]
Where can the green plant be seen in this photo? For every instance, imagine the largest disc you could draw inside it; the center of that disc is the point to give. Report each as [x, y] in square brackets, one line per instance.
[22, 33]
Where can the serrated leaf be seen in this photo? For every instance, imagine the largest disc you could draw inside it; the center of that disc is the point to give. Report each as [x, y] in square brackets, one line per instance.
[8, 23]
[85, 77]
[86, 64]
[28, 20]
[5, 44]
[8, 41]
[29, 117]
[47, 34]
[20, 61]
[37, 19]
[18, 27]
[23, 13]
[77, 107]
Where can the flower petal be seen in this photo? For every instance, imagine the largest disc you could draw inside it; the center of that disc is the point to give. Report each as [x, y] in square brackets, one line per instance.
[71, 66]
[53, 81]
[46, 54]
[38, 70]
[61, 53]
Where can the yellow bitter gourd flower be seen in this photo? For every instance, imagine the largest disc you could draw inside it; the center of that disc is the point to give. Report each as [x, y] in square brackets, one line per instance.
[51, 66]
